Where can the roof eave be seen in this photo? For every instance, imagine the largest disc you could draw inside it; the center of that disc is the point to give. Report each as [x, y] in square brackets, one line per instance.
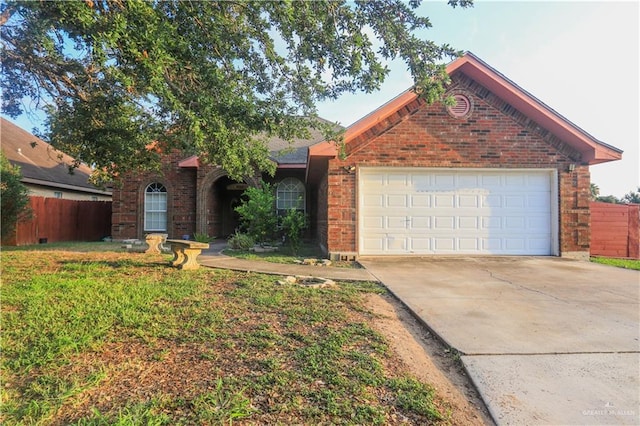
[64, 186]
[593, 150]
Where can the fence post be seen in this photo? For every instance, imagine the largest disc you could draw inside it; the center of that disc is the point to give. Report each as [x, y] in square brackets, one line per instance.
[633, 244]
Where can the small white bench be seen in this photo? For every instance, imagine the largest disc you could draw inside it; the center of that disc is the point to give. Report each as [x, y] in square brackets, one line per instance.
[185, 253]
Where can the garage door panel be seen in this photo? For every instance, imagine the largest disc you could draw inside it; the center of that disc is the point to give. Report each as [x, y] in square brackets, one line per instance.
[539, 245]
[396, 244]
[397, 179]
[420, 200]
[444, 222]
[444, 244]
[515, 202]
[472, 201]
[420, 245]
[372, 200]
[538, 200]
[468, 222]
[518, 181]
[373, 244]
[491, 201]
[372, 223]
[397, 222]
[515, 244]
[420, 222]
[444, 200]
[514, 223]
[538, 223]
[468, 244]
[491, 245]
[539, 180]
[378, 179]
[490, 180]
[491, 222]
[464, 211]
[467, 181]
[444, 180]
[396, 201]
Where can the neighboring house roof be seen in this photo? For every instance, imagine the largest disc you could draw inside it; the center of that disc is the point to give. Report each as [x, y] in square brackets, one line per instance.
[41, 164]
[592, 150]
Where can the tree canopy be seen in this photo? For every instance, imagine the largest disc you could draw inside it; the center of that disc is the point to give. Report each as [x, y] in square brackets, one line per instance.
[214, 78]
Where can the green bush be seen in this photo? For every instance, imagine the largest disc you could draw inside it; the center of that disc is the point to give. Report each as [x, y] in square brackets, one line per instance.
[239, 241]
[14, 197]
[293, 223]
[257, 214]
[202, 238]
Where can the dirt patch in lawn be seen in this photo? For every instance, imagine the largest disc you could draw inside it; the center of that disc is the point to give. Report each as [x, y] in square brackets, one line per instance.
[428, 359]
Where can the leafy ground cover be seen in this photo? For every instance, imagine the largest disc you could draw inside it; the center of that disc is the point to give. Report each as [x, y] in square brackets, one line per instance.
[284, 255]
[620, 263]
[93, 338]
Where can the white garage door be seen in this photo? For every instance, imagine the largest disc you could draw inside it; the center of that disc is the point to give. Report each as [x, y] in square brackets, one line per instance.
[456, 211]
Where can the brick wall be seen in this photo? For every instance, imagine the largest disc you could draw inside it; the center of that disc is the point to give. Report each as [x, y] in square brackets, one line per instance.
[321, 214]
[128, 200]
[198, 199]
[495, 135]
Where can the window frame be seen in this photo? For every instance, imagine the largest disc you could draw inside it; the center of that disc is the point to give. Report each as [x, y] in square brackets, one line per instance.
[297, 195]
[157, 193]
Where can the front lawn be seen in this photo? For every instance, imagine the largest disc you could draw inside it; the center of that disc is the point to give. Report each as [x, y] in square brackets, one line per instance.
[93, 338]
[283, 254]
[620, 263]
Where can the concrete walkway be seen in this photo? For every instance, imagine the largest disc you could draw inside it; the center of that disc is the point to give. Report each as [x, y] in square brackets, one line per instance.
[214, 258]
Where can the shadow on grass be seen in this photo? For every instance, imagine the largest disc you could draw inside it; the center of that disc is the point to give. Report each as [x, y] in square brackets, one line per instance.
[73, 246]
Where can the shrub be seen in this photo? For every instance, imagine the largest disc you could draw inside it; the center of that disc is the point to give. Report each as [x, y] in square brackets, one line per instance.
[239, 241]
[257, 213]
[202, 238]
[293, 223]
[14, 197]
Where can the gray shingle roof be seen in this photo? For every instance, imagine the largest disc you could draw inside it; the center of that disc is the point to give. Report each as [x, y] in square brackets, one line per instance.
[40, 162]
[295, 152]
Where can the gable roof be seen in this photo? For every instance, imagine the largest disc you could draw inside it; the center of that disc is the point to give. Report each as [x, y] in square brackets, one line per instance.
[592, 150]
[40, 163]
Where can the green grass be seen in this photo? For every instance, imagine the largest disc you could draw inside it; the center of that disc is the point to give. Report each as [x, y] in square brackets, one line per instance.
[89, 246]
[285, 256]
[282, 255]
[102, 338]
[619, 263]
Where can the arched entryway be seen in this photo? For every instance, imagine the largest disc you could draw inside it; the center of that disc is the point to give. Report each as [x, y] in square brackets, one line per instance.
[218, 195]
[225, 196]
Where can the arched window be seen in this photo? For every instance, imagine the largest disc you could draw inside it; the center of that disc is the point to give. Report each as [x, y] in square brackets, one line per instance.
[155, 207]
[290, 195]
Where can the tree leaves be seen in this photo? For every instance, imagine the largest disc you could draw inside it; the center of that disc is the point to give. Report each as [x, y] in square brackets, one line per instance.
[209, 77]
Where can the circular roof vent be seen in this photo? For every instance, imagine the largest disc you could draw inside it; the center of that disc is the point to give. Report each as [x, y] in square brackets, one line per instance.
[462, 106]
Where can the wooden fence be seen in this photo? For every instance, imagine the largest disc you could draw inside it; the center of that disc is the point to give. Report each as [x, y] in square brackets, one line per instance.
[55, 219]
[615, 230]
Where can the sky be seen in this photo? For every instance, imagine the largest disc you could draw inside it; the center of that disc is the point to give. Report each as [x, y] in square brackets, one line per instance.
[581, 58]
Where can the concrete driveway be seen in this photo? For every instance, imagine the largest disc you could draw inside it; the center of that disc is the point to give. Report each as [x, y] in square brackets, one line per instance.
[546, 340]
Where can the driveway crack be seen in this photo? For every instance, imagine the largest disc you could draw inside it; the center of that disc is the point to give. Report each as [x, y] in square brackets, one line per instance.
[532, 290]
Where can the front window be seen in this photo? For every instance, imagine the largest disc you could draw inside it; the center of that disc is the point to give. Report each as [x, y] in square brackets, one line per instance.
[155, 207]
[290, 195]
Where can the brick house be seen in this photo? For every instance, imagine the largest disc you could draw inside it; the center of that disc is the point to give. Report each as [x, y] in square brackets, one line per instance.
[497, 173]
